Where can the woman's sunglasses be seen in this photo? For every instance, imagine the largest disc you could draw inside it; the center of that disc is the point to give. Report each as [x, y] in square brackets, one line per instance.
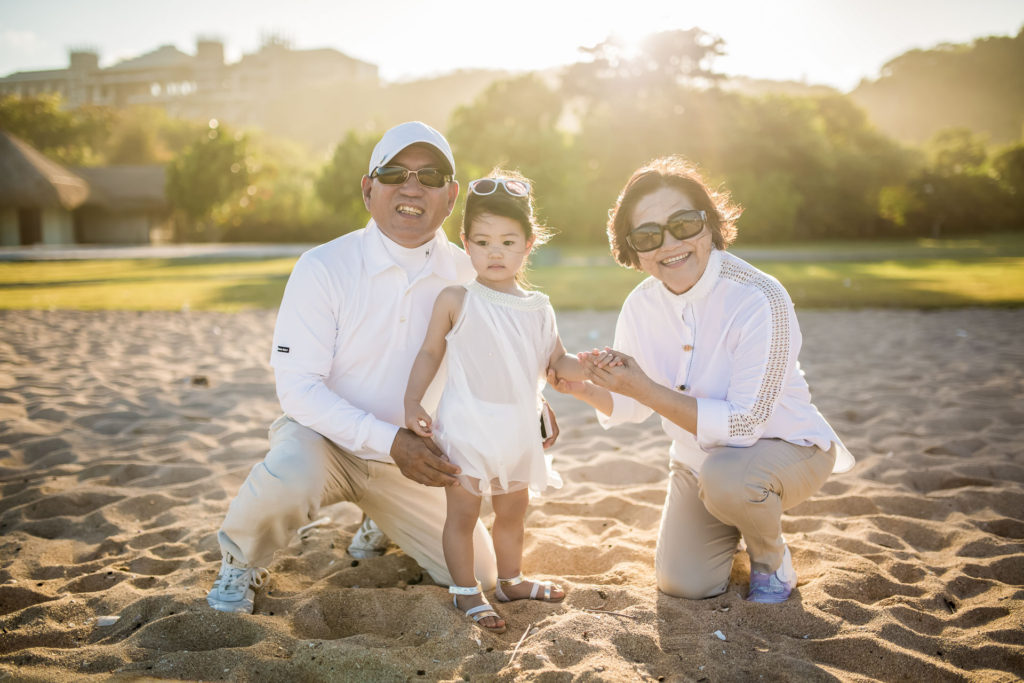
[513, 186]
[682, 225]
[397, 175]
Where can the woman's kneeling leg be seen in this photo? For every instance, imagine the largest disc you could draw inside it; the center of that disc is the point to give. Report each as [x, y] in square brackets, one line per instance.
[695, 550]
[750, 487]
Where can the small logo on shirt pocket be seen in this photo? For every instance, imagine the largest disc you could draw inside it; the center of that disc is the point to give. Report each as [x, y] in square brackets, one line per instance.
[283, 349]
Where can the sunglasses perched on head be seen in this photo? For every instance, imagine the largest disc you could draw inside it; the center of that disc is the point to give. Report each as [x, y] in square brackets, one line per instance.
[682, 224]
[512, 186]
[397, 175]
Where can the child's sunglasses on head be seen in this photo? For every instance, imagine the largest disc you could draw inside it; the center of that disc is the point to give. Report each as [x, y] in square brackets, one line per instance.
[512, 186]
[397, 175]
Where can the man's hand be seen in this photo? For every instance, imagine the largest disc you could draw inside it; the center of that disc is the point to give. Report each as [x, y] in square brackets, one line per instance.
[422, 461]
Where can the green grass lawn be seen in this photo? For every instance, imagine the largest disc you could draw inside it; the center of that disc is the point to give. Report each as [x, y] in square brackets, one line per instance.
[919, 274]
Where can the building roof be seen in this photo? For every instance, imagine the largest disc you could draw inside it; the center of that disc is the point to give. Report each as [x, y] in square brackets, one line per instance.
[126, 187]
[48, 74]
[28, 179]
[164, 57]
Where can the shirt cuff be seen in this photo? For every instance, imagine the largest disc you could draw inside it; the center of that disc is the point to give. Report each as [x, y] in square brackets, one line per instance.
[621, 410]
[712, 422]
[382, 436]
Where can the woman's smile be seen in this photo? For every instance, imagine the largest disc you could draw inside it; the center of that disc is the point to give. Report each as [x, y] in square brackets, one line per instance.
[677, 263]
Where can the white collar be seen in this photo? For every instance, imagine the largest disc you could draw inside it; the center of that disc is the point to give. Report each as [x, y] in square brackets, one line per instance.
[705, 283]
[377, 257]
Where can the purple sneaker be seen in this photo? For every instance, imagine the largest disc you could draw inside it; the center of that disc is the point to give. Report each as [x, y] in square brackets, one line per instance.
[775, 587]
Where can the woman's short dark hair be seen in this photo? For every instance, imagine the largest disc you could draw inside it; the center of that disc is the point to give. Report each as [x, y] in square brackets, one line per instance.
[675, 172]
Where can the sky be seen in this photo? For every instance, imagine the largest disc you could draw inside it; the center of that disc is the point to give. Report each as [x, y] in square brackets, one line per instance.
[831, 42]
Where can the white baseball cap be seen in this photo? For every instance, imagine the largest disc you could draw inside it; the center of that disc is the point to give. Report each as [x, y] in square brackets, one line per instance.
[405, 134]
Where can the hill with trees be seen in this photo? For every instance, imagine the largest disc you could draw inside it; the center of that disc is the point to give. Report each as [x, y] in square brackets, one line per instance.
[979, 86]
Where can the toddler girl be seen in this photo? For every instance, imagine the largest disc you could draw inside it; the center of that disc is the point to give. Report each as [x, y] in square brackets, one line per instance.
[498, 339]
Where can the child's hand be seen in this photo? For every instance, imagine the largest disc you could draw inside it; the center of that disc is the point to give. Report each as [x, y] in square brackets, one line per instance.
[417, 419]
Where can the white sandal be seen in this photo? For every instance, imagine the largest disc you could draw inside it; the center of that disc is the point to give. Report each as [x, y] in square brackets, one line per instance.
[480, 611]
[537, 585]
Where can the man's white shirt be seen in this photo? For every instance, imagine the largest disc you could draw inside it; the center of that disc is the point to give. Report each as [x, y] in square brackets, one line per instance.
[350, 325]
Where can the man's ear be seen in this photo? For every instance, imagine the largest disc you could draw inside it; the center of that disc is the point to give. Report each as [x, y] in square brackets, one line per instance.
[453, 194]
[465, 243]
[366, 184]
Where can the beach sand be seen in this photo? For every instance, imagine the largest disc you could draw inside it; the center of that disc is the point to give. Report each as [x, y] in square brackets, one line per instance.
[124, 436]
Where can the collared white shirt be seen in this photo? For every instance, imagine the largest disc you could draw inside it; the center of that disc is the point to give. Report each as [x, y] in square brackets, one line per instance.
[350, 325]
[731, 341]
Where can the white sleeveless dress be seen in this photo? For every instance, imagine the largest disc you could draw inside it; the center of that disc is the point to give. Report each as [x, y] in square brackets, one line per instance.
[488, 419]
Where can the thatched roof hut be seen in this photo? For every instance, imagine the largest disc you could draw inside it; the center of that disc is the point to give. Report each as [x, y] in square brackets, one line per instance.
[28, 179]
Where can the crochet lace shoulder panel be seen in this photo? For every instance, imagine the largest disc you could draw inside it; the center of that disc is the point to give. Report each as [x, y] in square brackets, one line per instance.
[743, 424]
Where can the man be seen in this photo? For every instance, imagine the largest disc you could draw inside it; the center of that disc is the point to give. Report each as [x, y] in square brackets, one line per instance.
[352, 319]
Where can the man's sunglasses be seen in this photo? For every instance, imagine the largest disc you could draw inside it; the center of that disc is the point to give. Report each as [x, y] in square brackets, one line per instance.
[682, 225]
[397, 175]
[513, 186]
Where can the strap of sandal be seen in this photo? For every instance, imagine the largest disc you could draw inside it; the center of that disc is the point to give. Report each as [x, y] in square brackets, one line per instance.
[514, 581]
[536, 587]
[482, 612]
[464, 590]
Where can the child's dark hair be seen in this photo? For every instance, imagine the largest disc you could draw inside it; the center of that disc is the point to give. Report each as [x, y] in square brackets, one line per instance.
[501, 203]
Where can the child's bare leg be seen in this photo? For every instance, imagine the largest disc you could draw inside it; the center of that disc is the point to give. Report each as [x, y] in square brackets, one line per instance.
[509, 515]
[457, 541]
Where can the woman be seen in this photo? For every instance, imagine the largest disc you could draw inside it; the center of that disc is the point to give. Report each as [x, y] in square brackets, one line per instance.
[710, 343]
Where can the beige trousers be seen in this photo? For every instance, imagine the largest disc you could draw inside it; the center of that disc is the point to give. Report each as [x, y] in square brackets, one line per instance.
[739, 492]
[303, 471]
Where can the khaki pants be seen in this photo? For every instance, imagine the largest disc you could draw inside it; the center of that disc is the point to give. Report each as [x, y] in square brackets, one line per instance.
[303, 471]
[739, 492]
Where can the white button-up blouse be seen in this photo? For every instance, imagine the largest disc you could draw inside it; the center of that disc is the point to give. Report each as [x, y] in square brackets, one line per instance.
[731, 341]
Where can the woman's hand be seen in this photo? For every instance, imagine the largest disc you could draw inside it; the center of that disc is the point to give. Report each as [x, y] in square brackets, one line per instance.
[565, 386]
[417, 420]
[615, 371]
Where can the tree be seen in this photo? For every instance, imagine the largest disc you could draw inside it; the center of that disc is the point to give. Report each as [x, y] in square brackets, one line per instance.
[957, 151]
[204, 177]
[1009, 168]
[514, 123]
[663, 61]
[74, 137]
[338, 185]
[978, 86]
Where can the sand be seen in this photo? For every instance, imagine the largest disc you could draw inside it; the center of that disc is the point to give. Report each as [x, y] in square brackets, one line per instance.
[124, 436]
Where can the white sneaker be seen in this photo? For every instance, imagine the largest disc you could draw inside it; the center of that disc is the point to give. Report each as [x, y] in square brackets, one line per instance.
[775, 587]
[369, 541]
[233, 589]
